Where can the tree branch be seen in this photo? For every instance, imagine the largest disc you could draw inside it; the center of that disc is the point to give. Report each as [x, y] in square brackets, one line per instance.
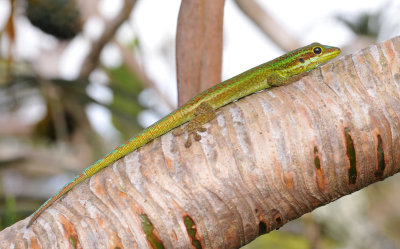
[265, 160]
[111, 28]
[268, 25]
[131, 61]
[198, 46]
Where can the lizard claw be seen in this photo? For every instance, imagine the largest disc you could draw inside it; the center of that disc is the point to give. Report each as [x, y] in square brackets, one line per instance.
[197, 137]
[188, 143]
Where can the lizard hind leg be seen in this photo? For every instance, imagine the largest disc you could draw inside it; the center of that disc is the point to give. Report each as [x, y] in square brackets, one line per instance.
[203, 114]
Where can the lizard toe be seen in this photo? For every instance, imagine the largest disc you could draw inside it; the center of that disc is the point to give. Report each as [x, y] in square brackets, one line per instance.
[197, 137]
[188, 143]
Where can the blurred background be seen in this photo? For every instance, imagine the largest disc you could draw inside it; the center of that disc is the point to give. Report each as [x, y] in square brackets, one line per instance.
[78, 77]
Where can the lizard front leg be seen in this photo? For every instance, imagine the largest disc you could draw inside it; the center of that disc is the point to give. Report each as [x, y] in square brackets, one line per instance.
[278, 78]
[203, 114]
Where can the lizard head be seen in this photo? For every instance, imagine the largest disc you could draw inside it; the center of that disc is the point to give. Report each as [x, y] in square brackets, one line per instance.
[306, 58]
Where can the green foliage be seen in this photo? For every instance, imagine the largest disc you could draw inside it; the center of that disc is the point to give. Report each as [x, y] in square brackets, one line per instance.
[9, 212]
[278, 240]
[126, 87]
[365, 24]
[285, 240]
[72, 94]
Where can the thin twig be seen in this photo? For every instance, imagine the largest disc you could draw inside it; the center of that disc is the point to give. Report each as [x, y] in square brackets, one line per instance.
[268, 25]
[92, 59]
[138, 70]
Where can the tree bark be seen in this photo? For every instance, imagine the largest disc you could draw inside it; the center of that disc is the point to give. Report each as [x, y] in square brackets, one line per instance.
[265, 160]
[198, 46]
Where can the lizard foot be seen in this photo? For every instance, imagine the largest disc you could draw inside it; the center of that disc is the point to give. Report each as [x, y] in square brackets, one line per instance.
[203, 114]
[192, 131]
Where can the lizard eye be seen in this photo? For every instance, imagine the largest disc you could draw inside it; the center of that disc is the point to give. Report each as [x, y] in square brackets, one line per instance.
[301, 60]
[317, 50]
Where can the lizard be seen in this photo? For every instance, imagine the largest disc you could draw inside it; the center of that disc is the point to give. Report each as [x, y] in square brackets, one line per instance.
[202, 108]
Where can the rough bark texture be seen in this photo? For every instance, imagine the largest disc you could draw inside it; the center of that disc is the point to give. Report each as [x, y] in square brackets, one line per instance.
[265, 160]
[198, 46]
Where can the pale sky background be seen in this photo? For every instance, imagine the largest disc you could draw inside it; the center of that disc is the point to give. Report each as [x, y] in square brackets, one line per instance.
[154, 23]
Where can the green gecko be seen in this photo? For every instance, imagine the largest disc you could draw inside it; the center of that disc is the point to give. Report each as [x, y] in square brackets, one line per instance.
[202, 108]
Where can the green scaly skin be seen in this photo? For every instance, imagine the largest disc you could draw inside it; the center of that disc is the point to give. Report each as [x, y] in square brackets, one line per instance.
[201, 109]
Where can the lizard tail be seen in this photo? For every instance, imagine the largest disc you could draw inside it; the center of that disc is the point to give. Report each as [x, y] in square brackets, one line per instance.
[80, 178]
[157, 129]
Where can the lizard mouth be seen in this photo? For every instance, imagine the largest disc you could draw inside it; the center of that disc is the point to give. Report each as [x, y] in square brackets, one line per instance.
[331, 52]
